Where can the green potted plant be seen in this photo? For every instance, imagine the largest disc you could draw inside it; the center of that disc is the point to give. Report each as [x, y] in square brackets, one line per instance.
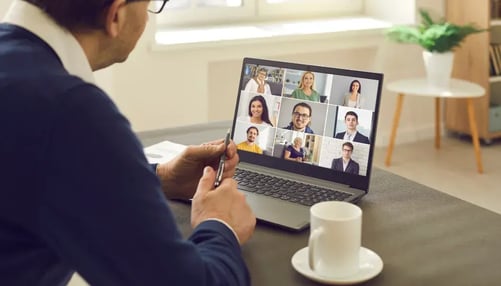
[438, 39]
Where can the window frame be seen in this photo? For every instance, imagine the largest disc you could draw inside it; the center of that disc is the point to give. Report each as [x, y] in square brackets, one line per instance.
[310, 8]
[253, 11]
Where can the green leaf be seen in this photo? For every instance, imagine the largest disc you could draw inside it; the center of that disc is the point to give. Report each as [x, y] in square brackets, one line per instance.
[425, 18]
[434, 36]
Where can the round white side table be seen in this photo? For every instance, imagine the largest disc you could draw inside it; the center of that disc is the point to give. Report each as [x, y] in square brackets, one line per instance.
[460, 89]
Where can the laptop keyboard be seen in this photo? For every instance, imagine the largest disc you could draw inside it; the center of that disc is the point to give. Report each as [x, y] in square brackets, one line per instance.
[286, 190]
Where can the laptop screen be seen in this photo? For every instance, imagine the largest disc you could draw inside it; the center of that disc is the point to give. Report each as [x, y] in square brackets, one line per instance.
[311, 120]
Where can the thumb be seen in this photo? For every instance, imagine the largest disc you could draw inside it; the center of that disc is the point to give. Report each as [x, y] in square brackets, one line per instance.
[206, 182]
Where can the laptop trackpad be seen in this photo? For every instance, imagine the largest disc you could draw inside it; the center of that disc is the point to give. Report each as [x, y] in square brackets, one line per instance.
[279, 212]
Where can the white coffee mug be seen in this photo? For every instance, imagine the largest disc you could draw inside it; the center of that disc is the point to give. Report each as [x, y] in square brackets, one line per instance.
[335, 238]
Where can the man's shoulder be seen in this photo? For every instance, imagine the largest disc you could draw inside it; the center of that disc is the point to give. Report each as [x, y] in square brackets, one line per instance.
[362, 138]
[362, 135]
[53, 92]
[29, 64]
[53, 88]
[18, 44]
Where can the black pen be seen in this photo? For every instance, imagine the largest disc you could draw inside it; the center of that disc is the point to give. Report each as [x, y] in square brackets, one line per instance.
[222, 159]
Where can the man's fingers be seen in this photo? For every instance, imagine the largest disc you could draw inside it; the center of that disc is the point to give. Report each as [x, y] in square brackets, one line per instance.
[205, 152]
[206, 182]
[211, 150]
[215, 142]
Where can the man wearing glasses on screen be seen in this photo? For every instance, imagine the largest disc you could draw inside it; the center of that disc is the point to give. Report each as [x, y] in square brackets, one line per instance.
[78, 194]
[301, 118]
[345, 163]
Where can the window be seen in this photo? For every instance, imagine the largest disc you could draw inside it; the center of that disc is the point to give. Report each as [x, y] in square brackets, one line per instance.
[212, 12]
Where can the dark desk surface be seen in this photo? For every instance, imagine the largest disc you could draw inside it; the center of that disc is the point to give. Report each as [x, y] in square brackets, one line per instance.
[424, 237]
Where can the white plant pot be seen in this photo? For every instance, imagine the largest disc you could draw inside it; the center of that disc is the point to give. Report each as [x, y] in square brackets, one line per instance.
[438, 68]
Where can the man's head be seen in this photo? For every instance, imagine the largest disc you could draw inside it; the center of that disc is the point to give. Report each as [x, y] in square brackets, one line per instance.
[107, 30]
[85, 14]
[252, 133]
[351, 121]
[301, 116]
[347, 150]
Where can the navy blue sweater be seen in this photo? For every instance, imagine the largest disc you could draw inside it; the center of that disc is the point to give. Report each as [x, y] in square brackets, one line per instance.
[77, 193]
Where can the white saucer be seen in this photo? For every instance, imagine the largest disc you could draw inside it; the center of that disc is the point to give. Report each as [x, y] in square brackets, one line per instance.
[370, 266]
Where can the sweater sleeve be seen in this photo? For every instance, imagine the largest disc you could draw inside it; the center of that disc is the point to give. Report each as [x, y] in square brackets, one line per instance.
[102, 210]
[154, 167]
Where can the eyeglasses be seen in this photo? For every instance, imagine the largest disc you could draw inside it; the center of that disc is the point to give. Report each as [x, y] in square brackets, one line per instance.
[301, 115]
[156, 7]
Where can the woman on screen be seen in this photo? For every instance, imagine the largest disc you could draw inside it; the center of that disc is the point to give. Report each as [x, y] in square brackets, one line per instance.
[258, 111]
[295, 152]
[258, 83]
[353, 98]
[305, 91]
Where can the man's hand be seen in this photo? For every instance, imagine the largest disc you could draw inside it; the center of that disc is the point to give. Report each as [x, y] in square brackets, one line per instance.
[180, 176]
[225, 203]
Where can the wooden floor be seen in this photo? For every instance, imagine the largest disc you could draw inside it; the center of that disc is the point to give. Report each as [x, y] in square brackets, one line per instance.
[451, 169]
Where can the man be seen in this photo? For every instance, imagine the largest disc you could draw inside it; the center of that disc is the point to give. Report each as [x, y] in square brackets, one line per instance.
[351, 133]
[345, 163]
[250, 145]
[301, 118]
[77, 191]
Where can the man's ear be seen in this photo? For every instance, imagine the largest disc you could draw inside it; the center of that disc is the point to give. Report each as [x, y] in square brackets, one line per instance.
[114, 19]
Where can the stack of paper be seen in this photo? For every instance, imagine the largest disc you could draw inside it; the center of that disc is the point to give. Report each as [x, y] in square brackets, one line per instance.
[163, 151]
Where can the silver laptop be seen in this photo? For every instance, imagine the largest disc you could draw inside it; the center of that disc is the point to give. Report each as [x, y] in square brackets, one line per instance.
[304, 134]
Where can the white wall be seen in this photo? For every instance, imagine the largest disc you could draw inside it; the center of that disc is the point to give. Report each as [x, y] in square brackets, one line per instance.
[157, 89]
[401, 12]
[171, 88]
[4, 5]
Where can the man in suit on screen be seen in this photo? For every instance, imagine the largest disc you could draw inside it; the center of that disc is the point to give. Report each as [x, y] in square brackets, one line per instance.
[351, 134]
[345, 163]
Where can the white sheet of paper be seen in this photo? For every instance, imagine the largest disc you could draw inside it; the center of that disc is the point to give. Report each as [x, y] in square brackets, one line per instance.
[163, 152]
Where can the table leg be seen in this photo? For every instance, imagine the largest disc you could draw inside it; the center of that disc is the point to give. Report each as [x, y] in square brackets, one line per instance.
[474, 134]
[437, 122]
[396, 119]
